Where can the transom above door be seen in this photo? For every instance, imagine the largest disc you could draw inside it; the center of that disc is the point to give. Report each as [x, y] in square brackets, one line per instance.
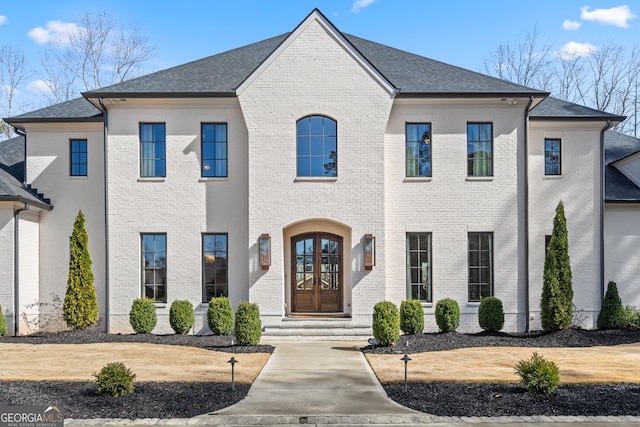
[317, 273]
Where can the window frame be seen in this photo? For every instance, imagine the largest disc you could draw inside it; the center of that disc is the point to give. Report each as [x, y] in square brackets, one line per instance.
[214, 160]
[558, 162]
[419, 269]
[326, 139]
[480, 266]
[155, 285]
[79, 164]
[418, 169]
[155, 158]
[470, 172]
[203, 255]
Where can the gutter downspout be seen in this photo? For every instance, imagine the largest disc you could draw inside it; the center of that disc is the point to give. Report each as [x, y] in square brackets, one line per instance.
[602, 196]
[527, 309]
[106, 218]
[16, 268]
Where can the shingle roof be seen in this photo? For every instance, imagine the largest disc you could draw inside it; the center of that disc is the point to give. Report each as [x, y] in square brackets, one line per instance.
[12, 157]
[11, 190]
[619, 188]
[78, 109]
[554, 108]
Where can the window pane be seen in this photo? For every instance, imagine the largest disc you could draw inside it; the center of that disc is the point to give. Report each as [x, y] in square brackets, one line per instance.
[418, 265]
[152, 149]
[317, 166]
[316, 145]
[480, 265]
[316, 126]
[479, 149]
[329, 127]
[154, 265]
[418, 149]
[304, 166]
[214, 262]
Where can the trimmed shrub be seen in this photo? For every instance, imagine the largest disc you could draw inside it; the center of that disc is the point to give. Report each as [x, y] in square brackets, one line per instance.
[538, 375]
[3, 323]
[386, 323]
[115, 380]
[631, 317]
[181, 316]
[447, 315]
[411, 317]
[143, 315]
[220, 316]
[80, 307]
[491, 314]
[248, 324]
[612, 314]
[556, 303]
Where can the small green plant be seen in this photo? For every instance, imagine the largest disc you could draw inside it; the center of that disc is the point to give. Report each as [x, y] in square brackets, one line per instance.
[411, 317]
[115, 380]
[143, 315]
[386, 323]
[3, 323]
[447, 315]
[220, 316]
[538, 375]
[491, 314]
[631, 317]
[248, 324]
[181, 316]
[612, 314]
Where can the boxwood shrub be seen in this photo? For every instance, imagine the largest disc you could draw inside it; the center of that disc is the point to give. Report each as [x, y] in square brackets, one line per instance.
[386, 323]
[447, 315]
[181, 316]
[612, 313]
[491, 314]
[538, 375]
[220, 316]
[248, 324]
[411, 317]
[143, 315]
[115, 380]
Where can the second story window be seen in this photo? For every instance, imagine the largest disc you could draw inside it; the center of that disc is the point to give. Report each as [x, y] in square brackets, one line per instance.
[79, 160]
[418, 149]
[317, 149]
[152, 150]
[552, 165]
[479, 149]
[214, 150]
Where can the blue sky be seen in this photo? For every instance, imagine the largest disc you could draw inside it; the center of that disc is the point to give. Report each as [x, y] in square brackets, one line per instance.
[462, 33]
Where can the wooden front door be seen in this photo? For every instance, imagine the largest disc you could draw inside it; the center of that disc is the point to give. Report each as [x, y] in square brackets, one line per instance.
[317, 273]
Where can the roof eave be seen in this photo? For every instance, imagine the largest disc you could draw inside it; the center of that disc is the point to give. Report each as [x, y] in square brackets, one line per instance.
[402, 94]
[616, 119]
[16, 120]
[155, 95]
[20, 199]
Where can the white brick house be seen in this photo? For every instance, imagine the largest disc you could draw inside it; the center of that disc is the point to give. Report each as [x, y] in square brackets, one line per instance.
[317, 142]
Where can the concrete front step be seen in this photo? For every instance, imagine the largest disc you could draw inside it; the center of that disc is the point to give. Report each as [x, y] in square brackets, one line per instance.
[335, 328]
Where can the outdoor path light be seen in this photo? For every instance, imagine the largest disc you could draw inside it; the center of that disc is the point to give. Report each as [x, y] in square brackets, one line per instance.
[406, 360]
[374, 342]
[233, 361]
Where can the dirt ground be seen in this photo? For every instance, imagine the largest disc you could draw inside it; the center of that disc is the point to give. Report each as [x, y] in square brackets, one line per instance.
[150, 362]
[166, 363]
[587, 365]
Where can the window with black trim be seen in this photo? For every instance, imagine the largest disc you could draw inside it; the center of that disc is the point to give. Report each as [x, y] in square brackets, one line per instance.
[479, 149]
[214, 150]
[317, 147]
[480, 266]
[215, 252]
[418, 149]
[79, 157]
[552, 163]
[152, 150]
[154, 266]
[419, 266]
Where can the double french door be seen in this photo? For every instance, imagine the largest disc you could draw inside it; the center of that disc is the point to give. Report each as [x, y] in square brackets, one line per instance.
[317, 273]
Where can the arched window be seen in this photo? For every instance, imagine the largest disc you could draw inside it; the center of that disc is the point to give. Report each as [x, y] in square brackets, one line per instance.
[317, 147]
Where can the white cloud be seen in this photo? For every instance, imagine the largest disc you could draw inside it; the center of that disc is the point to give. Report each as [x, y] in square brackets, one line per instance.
[571, 25]
[360, 4]
[39, 86]
[573, 50]
[618, 16]
[53, 32]
[3, 19]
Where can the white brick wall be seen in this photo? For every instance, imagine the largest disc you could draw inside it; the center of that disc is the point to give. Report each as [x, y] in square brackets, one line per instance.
[6, 262]
[622, 254]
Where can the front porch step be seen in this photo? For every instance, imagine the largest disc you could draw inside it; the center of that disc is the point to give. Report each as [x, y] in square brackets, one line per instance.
[331, 328]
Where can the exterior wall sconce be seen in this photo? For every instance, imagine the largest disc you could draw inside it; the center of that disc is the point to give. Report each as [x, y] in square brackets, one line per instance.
[264, 245]
[369, 251]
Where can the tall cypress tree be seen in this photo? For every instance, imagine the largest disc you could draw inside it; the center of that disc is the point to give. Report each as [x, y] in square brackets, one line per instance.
[80, 308]
[556, 304]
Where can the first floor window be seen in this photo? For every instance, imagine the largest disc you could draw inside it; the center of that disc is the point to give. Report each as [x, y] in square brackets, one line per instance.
[214, 150]
[419, 266]
[479, 149]
[152, 150]
[214, 266]
[552, 157]
[480, 265]
[154, 267]
[79, 157]
[418, 149]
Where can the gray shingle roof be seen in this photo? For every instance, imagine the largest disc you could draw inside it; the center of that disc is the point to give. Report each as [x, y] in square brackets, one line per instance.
[619, 188]
[78, 109]
[12, 157]
[11, 190]
[554, 108]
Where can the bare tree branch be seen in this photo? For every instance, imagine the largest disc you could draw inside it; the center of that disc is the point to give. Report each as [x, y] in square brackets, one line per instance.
[13, 72]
